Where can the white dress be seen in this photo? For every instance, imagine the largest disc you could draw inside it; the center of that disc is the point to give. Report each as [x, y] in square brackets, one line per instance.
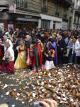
[49, 65]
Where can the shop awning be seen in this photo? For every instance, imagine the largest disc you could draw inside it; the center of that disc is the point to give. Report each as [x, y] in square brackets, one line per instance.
[25, 19]
[47, 17]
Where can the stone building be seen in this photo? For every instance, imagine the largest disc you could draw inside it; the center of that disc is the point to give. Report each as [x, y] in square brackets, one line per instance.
[76, 14]
[47, 14]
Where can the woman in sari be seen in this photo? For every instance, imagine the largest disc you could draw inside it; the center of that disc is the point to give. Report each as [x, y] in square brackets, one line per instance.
[20, 62]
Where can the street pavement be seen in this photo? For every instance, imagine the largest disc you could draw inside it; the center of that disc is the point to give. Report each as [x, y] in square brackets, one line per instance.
[22, 88]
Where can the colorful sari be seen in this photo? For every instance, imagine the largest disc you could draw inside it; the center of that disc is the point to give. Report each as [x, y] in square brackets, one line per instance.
[20, 62]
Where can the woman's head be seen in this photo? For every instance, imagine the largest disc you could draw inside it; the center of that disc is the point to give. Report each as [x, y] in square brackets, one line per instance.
[21, 42]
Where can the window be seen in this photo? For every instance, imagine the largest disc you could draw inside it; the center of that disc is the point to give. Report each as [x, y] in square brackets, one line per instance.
[17, 3]
[25, 4]
[44, 6]
[45, 24]
[21, 4]
[57, 14]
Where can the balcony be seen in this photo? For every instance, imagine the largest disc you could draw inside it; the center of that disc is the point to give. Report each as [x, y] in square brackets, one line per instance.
[64, 3]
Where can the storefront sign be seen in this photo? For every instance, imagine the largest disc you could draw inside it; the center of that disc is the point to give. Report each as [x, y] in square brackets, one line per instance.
[25, 19]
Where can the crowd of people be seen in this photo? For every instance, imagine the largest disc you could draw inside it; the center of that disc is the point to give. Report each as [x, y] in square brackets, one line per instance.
[38, 49]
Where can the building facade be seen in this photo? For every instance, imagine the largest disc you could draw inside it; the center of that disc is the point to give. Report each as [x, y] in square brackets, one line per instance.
[49, 14]
[76, 15]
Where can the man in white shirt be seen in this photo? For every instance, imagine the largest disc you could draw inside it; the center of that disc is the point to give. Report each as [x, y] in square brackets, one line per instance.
[77, 50]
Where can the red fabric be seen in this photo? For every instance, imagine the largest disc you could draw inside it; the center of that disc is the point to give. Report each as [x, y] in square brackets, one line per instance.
[33, 60]
[32, 57]
[9, 68]
[39, 47]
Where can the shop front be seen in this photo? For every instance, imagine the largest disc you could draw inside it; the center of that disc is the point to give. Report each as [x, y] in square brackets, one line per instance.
[14, 20]
[29, 22]
[64, 25]
[50, 22]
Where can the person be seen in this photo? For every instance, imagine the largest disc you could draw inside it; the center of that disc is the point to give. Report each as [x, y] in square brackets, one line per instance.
[28, 40]
[16, 33]
[49, 54]
[72, 55]
[5, 39]
[20, 62]
[8, 59]
[40, 49]
[54, 45]
[61, 49]
[77, 50]
[34, 58]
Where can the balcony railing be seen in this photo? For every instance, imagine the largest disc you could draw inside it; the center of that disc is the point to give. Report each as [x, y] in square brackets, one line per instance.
[63, 2]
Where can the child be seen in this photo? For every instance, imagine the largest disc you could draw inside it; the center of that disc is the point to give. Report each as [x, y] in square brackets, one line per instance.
[49, 54]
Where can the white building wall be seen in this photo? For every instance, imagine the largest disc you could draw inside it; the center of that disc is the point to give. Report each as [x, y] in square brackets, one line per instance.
[58, 25]
[52, 19]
